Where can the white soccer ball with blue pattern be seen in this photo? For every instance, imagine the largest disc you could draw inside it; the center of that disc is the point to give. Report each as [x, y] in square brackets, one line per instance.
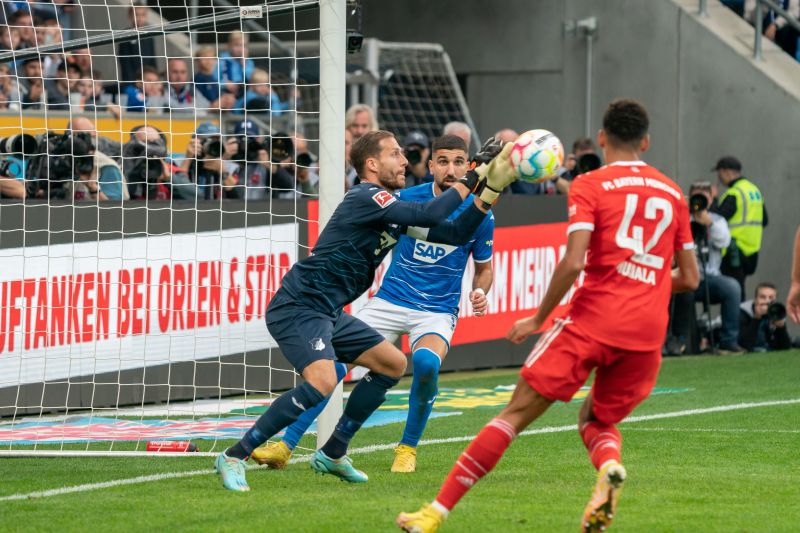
[537, 155]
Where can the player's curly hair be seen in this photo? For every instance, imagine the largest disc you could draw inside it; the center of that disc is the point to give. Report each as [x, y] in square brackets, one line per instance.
[626, 122]
[368, 145]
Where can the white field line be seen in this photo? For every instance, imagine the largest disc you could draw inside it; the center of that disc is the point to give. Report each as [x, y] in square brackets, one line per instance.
[379, 447]
[712, 430]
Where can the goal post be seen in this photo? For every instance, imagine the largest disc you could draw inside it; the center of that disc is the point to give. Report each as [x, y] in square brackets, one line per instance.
[332, 17]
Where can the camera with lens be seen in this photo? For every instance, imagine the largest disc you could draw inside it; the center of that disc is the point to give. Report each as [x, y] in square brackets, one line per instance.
[413, 155]
[698, 202]
[17, 147]
[143, 161]
[212, 147]
[587, 162]
[776, 312]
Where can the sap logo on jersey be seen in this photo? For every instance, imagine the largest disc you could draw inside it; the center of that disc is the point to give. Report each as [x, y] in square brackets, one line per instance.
[431, 252]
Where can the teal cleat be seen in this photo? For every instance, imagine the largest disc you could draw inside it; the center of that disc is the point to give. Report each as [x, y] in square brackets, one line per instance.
[341, 468]
[232, 471]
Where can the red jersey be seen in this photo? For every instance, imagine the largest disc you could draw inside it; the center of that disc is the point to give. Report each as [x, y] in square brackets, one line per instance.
[638, 218]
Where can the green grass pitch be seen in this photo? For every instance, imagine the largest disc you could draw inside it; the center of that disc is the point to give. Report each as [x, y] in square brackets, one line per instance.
[734, 470]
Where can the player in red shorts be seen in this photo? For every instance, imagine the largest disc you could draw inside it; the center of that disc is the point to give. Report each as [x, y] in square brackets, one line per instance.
[626, 221]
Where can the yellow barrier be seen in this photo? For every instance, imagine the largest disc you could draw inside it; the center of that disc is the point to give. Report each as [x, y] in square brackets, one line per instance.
[177, 130]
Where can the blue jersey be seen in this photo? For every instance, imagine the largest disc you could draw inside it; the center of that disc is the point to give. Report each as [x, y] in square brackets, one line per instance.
[359, 235]
[426, 275]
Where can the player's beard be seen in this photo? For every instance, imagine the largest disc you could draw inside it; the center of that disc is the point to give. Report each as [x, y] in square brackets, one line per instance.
[392, 181]
[447, 182]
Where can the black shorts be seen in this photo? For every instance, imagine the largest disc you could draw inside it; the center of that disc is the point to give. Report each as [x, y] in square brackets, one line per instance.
[305, 335]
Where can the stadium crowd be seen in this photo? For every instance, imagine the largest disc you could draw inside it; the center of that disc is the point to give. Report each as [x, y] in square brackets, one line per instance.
[775, 27]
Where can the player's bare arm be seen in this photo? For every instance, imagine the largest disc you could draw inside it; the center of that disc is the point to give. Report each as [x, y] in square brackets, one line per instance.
[686, 277]
[564, 276]
[481, 283]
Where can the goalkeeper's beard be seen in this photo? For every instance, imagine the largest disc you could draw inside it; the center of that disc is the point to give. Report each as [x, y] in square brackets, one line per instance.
[392, 181]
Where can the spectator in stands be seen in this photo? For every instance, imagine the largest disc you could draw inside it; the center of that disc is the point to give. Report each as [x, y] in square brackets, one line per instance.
[459, 129]
[31, 84]
[360, 119]
[506, 135]
[58, 89]
[136, 54]
[148, 92]
[743, 207]
[235, 67]
[9, 89]
[786, 35]
[181, 94]
[22, 21]
[417, 152]
[94, 98]
[9, 38]
[81, 58]
[758, 331]
[103, 144]
[47, 33]
[773, 23]
[206, 79]
[259, 96]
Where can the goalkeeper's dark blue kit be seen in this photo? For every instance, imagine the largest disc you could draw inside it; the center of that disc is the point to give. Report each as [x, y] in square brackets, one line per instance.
[305, 316]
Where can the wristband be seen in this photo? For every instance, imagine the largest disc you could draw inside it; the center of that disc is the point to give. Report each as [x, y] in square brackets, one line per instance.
[487, 195]
[479, 290]
[470, 180]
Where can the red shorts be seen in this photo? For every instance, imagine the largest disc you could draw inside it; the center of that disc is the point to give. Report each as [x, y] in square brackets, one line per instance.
[562, 360]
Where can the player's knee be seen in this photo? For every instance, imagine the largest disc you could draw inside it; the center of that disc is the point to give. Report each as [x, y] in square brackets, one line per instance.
[426, 365]
[322, 379]
[395, 366]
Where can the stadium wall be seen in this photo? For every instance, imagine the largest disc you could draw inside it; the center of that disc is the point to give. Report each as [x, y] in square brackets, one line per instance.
[706, 96]
[105, 306]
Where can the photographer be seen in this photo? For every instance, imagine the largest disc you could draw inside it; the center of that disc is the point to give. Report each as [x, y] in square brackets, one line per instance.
[148, 174]
[711, 235]
[208, 161]
[762, 321]
[417, 151]
[263, 164]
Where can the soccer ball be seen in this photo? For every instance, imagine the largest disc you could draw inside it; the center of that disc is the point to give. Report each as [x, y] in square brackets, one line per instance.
[537, 155]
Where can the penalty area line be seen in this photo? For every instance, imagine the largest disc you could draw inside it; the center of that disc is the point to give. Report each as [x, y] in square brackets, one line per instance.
[380, 447]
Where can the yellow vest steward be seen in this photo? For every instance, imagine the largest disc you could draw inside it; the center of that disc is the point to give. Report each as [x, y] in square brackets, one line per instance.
[746, 224]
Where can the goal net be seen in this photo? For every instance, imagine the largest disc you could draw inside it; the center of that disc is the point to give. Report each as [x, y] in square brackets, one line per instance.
[159, 170]
[159, 177]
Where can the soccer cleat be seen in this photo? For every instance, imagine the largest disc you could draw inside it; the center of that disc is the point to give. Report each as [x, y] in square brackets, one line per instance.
[426, 520]
[603, 504]
[405, 459]
[273, 454]
[341, 468]
[232, 471]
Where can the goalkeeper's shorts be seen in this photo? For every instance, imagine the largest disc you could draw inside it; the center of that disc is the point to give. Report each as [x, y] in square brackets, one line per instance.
[305, 335]
[563, 358]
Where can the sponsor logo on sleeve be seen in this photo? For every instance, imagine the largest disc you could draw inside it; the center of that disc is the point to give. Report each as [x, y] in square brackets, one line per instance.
[384, 198]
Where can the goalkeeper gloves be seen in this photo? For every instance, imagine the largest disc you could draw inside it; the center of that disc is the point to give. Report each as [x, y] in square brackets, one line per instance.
[498, 175]
[477, 167]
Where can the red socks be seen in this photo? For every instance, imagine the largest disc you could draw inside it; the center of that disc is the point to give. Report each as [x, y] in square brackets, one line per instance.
[476, 461]
[603, 442]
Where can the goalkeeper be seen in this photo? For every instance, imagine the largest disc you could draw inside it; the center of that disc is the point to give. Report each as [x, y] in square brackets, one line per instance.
[419, 296]
[305, 316]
